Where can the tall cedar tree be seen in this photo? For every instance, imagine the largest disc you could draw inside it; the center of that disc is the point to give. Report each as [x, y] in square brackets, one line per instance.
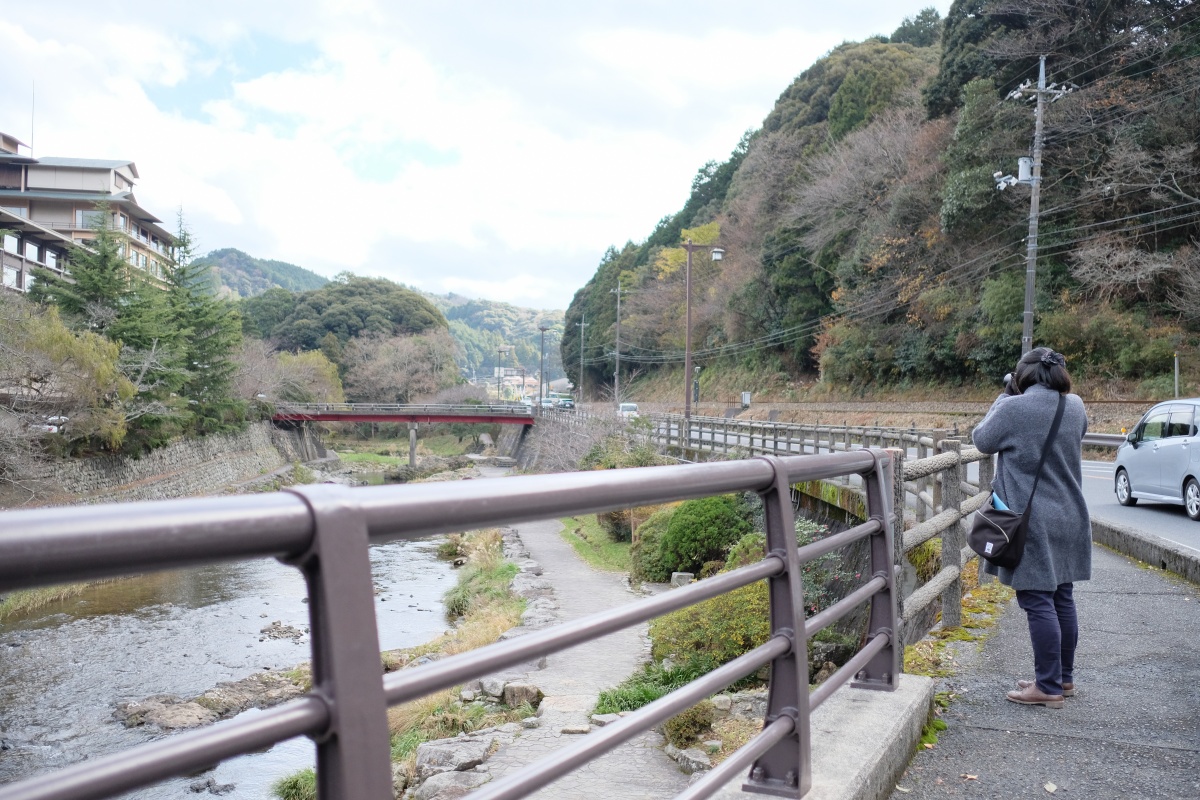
[211, 337]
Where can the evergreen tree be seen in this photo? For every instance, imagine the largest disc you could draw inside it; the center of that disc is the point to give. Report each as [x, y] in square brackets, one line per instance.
[211, 336]
[99, 282]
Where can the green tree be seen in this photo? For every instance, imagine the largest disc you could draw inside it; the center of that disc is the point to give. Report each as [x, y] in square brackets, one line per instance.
[99, 278]
[922, 30]
[211, 337]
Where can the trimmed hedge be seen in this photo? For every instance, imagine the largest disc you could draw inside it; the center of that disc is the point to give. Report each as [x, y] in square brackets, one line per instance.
[703, 530]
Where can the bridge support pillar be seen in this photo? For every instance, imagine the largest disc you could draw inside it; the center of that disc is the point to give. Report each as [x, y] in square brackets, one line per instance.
[412, 444]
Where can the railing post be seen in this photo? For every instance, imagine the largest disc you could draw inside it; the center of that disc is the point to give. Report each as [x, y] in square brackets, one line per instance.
[786, 769]
[354, 755]
[899, 505]
[882, 671]
[953, 539]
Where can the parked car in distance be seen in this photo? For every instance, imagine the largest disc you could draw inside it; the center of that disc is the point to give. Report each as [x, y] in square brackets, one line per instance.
[566, 402]
[1160, 458]
[547, 402]
[627, 410]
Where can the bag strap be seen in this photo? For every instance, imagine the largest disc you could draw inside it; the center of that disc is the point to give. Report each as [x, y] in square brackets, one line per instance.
[1062, 403]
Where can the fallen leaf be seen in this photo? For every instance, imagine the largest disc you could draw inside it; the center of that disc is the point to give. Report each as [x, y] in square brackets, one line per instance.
[1051, 788]
[900, 788]
[928, 747]
[970, 777]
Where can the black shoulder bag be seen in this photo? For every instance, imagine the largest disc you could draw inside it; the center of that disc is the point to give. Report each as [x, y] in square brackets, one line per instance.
[998, 534]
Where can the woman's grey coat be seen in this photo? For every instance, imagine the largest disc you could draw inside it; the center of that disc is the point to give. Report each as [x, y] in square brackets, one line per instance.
[1058, 548]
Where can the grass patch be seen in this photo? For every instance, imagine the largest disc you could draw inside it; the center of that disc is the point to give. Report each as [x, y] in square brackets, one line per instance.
[445, 445]
[594, 545]
[23, 601]
[643, 688]
[373, 458]
[733, 734]
[300, 785]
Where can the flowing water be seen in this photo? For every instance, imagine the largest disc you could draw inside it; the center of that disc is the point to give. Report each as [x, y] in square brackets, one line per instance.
[63, 668]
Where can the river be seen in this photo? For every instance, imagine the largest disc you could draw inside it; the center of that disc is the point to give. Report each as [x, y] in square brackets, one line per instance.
[64, 668]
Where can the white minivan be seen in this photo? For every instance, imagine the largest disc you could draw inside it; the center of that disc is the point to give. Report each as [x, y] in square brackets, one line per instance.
[1160, 459]
[628, 410]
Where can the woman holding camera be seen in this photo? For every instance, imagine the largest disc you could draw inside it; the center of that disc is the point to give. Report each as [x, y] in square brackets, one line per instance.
[1058, 545]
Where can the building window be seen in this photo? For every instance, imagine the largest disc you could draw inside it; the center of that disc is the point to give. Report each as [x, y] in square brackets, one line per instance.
[19, 211]
[124, 224]
[12, 244]
[10, 278]
[32, 251]
[88, 219]
[51, 258]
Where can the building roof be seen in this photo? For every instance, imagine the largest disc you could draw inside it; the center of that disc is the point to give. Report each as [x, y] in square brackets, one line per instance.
[15, 158]
[89, 163]
[125, 200]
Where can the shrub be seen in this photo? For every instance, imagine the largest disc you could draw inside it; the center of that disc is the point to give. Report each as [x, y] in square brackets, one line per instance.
[653, 682]
[645, 556]
[719, 630]
[616, 524]
[703, 530]
[300, 785]
[687, 726]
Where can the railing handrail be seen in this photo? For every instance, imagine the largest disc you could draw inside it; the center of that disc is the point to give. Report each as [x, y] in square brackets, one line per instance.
[325, 530]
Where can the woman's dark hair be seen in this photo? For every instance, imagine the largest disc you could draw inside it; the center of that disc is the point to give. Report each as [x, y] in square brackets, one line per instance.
[1044, 366]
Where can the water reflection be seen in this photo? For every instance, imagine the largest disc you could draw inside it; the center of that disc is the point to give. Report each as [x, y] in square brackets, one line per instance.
[63, 668]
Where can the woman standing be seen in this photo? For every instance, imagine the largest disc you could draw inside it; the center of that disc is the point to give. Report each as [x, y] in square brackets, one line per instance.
[1058, 547]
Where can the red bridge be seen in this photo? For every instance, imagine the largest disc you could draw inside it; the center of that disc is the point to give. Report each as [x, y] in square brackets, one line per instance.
[505, 413]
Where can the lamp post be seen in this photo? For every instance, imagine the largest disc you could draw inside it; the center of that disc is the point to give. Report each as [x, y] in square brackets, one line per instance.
[542, 363]
[582, 326]
[617, 373]
[717, 253]
[500, 351]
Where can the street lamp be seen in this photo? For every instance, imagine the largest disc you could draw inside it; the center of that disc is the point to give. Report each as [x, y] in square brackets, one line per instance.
[500, 351]
[617, 373]
[542, 364]
[717, 253]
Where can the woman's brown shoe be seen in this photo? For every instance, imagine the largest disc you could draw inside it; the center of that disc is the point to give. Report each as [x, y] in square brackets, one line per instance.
[1033, 696]
[1068, 688]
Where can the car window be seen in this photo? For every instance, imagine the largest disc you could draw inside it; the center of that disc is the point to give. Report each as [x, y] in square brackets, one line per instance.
[1155, 426]
[1182, 423]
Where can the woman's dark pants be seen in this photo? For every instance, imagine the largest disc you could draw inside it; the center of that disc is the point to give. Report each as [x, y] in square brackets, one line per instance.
[1054, 631]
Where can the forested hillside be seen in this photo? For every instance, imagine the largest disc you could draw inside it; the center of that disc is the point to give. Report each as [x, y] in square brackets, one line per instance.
[482, 327]
[237, 274]
[865, 237]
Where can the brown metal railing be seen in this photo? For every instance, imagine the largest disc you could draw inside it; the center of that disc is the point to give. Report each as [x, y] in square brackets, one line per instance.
[325, 531]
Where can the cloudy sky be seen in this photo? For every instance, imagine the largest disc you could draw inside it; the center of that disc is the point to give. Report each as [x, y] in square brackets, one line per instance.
[487, 147]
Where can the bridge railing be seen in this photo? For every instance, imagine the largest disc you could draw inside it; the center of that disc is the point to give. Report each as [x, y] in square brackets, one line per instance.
[324, 531]
[516, 409]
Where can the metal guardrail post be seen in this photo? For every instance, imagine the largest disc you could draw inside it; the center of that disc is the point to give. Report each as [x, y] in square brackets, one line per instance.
[953, 539]
[899, 505]
[786, 769]
[353, 756]
[883, 670]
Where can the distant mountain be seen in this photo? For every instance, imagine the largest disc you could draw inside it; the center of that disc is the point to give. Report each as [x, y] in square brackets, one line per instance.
[237, 274]
[483, 327]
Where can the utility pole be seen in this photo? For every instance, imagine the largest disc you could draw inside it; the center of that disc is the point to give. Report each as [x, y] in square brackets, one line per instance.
[1034, 180]
[582, 325]
[717, 254]
[1034, 198]
[543, 327]
[617, 374]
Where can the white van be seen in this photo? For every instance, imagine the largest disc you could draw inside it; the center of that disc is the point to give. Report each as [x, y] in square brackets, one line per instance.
[628, 410]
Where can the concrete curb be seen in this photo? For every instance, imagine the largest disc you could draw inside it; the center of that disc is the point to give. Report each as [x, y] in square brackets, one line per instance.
[862, 741]
[1151, 549]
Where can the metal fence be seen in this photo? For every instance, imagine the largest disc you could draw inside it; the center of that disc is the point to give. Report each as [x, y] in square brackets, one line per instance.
[325, 531]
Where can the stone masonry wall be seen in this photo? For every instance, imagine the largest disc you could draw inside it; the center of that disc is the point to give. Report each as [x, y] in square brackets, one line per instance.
[186, 468]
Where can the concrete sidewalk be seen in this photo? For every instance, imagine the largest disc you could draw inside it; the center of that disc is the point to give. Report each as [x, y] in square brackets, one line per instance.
[1133, 729]
[861, 739]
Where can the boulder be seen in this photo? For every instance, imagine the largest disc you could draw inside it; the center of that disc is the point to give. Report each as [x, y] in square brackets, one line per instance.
[600, 720]
[690, 761]
[492, 687]
[721, 704]
[681, 578]
[451, 755]
[450, 785]
[515, 694]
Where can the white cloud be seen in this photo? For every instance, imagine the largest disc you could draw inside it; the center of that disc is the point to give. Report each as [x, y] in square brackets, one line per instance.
[343, 135]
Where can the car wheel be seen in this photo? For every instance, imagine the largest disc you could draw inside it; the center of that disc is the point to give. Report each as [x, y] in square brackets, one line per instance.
[1191, 498]
[1125, 491]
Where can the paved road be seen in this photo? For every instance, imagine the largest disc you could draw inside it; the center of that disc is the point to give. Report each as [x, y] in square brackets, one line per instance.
[1169, 522]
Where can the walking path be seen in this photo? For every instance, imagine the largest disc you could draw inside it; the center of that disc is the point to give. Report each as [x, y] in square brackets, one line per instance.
[572, 679]
[1133, 729]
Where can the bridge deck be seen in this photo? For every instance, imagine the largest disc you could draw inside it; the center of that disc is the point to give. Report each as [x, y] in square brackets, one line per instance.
[504, 413]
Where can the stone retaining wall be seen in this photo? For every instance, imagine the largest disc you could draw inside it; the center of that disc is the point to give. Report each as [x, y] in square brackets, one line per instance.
[186, 468]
